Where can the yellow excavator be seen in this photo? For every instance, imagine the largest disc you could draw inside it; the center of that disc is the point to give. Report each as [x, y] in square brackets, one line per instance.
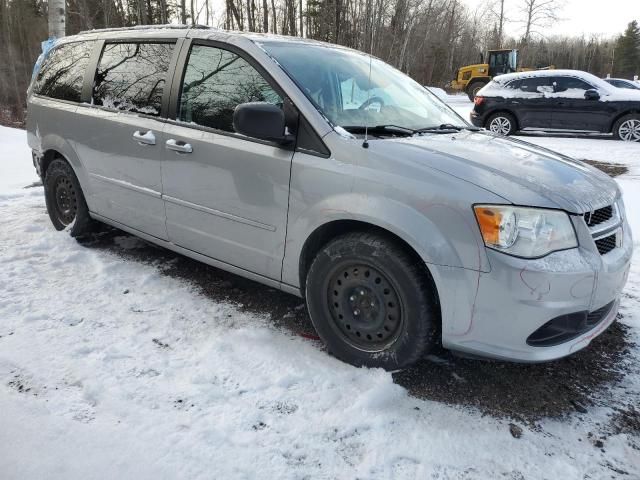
[472, 78]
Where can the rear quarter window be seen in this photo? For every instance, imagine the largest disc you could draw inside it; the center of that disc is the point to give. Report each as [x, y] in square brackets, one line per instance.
[62, 74]
[532, 87]
[132, 76]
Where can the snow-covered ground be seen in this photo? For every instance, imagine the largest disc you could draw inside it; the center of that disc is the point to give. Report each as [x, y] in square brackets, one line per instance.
[111, 369]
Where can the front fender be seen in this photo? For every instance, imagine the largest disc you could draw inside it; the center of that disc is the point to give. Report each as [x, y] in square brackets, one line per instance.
[439, 233]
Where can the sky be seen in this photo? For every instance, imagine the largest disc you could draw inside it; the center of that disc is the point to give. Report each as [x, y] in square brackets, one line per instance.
[608, 18]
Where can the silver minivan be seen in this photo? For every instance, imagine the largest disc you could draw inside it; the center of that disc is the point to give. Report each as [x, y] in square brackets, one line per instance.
[326, 173]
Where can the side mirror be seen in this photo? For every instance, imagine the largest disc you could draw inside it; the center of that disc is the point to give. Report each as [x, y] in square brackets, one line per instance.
[592, 95]
[261, 120]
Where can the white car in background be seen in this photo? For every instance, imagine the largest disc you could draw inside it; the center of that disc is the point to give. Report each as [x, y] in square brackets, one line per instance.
[623, 83]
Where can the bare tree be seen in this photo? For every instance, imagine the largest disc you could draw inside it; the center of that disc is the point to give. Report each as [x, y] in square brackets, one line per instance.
[57, 18]
[497, 11]
[537, 14]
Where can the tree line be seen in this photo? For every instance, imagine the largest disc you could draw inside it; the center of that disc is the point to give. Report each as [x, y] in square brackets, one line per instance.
[427, 39]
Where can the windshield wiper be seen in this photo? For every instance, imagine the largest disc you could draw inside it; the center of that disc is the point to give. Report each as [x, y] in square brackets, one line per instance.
[381, 129]
[447, 127]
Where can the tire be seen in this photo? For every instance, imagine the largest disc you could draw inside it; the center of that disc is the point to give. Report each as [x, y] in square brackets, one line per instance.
[501, 123]
[65, 201]
[371, 303]
[473, 88]
[627, 128]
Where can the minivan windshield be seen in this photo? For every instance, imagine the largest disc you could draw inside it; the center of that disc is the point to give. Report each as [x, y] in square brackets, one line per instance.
[337, 81]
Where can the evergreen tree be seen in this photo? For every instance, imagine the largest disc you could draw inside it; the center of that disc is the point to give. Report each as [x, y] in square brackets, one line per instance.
[627, 55]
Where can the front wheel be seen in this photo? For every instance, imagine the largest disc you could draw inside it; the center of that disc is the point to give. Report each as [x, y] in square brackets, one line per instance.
[501, 123]
[627, 128]
[65, 201]
[371, 302]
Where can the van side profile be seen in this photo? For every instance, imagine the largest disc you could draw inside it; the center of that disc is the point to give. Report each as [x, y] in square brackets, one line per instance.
[328, 174]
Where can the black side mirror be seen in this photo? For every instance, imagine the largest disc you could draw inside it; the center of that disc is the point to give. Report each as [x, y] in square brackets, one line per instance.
[261, 120]
[591, 95]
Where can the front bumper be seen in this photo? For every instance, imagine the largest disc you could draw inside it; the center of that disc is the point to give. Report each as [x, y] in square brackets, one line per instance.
[519, 296]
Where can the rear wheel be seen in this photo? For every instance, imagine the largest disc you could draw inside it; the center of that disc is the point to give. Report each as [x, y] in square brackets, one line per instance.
[65, 201]
[501, 123]
[474, 88]
[627, 128]
[372, 303]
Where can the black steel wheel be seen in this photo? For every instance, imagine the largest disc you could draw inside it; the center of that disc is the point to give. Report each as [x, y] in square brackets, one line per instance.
[65, 201]
[365, 307]
[372, 302]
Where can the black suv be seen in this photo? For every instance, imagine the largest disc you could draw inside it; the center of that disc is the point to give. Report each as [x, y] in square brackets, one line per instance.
[565, 100]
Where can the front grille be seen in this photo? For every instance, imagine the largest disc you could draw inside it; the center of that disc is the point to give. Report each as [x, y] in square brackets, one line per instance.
[598, 216]
[567, 327]
[606, 244]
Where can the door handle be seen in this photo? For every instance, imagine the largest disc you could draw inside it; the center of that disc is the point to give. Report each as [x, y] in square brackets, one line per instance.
[179, 146]
[146, 138]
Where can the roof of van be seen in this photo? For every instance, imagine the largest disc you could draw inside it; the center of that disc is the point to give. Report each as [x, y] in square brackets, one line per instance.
[196, 31]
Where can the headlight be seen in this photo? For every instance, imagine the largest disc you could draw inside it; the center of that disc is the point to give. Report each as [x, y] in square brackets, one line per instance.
[525, 232]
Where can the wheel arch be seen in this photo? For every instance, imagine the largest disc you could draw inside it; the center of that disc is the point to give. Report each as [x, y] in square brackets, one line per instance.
[48, 157]
[335, 228]
[620, 115]
[54, 146]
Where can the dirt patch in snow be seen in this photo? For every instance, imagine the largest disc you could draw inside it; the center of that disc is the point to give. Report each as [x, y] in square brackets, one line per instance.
[613, 169]
[526, 392]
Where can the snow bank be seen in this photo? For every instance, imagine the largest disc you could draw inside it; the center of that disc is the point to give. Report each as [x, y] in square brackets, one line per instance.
[16, 168]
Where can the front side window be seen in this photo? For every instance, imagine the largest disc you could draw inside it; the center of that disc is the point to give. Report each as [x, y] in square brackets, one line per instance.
[215, 82]
[340, 86]
[132, 76]
[62, 74]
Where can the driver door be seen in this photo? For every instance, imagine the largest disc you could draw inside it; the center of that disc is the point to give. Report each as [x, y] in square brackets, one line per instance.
[226, 195]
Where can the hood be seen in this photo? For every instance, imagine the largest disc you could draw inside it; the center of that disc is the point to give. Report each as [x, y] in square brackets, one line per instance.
[520, 172]
[621, 95]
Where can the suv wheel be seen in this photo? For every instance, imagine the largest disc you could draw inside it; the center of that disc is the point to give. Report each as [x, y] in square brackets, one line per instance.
[66, 205]
[371, 303]
[627, 128]
[501, 123]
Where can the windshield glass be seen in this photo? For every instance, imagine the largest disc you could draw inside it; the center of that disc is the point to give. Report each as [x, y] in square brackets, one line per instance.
[337, 82]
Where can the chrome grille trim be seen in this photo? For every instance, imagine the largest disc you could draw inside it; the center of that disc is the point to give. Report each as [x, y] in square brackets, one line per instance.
[603, 226]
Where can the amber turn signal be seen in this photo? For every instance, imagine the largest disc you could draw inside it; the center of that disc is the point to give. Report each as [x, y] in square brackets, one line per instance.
[489, 221]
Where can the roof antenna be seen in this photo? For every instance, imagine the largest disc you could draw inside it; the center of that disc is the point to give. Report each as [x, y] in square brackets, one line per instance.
[365, 144]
